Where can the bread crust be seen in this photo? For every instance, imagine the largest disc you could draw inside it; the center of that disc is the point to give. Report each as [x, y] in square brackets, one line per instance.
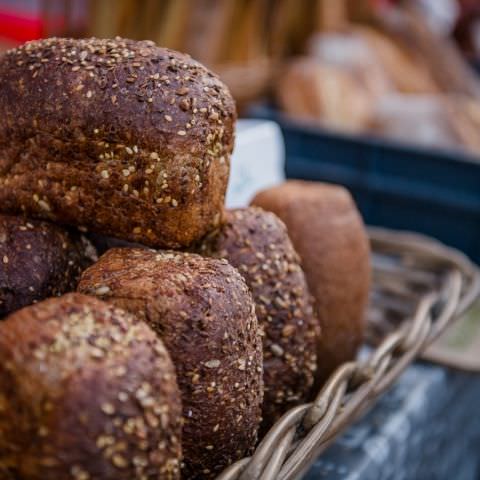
[204, 313]
[121, 137]
[327, 231]
[257, 244]
[38, 260]
[86, 392]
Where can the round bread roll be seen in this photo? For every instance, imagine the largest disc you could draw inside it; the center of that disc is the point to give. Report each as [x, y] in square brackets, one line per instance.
[120, 137]
[257, 244]
[327, 231]
[86, 392]
[203, 311]
[38, 260]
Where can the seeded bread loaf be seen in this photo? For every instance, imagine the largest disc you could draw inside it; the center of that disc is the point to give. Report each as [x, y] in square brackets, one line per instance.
[117, 136]
[257, 244]
[328, 233]
[86, 392]
[203, 311]
[38, 260]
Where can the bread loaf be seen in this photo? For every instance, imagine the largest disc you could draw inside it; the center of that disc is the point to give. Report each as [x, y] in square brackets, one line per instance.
[325, 93]
[38, 260]
[86, 392]
[120, 137]
[328, 233]
[203, 311]
[257, 244]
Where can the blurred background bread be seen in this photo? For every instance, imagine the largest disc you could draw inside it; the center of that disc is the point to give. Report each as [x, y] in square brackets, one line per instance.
[328, 233]
[201, 308]
[257, 244]
[38, 260]
[311, 90]
[86, 391]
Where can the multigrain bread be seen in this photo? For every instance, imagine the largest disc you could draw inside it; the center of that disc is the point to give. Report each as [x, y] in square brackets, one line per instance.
[204, 313]
[86, 392]
[117, 136]
[38, 260]
[257, 244]
[327, 231]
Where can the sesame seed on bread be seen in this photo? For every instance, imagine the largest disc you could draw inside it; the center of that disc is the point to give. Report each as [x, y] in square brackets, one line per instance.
[38, 260]
[86, 392]
[257, 244]
[328, 233]
[203, 311]
[120, 137]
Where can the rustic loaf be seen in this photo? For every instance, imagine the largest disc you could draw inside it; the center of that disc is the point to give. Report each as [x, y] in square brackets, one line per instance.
[117, 136]
[203, 311]
[38, 260]
[324, 93]
[257, 244]
[328, 233]
[86, 392]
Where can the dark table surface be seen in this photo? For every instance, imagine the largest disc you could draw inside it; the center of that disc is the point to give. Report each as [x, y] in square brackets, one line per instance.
[427, 427]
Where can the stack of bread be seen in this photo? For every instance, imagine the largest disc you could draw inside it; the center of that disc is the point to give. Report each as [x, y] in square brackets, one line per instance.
[170, 354]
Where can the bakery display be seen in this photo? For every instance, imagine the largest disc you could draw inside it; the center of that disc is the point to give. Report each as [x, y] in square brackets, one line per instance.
[328, 233]
[38, 260]
[119, 137]
[257, 244]
[201, 308]
[198, 327]
[86, 392]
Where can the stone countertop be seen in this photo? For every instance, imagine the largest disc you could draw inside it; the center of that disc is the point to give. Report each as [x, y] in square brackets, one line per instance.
[426, 427]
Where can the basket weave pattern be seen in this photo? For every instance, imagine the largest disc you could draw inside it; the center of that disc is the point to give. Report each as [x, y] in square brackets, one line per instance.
[419, 288]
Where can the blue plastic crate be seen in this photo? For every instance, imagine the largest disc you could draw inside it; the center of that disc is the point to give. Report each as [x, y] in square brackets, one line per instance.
[397, 186]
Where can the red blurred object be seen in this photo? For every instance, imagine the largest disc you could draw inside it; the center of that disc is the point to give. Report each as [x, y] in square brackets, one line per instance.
[20, 27]
[22, 20]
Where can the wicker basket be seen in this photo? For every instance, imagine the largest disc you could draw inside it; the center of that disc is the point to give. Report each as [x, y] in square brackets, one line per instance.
[419, 288]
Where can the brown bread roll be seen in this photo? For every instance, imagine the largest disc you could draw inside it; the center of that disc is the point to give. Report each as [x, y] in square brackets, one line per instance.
[327, 231]
[121, 137]
[86, 392]
[38, 260]
[257, 244]
[203, 311]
